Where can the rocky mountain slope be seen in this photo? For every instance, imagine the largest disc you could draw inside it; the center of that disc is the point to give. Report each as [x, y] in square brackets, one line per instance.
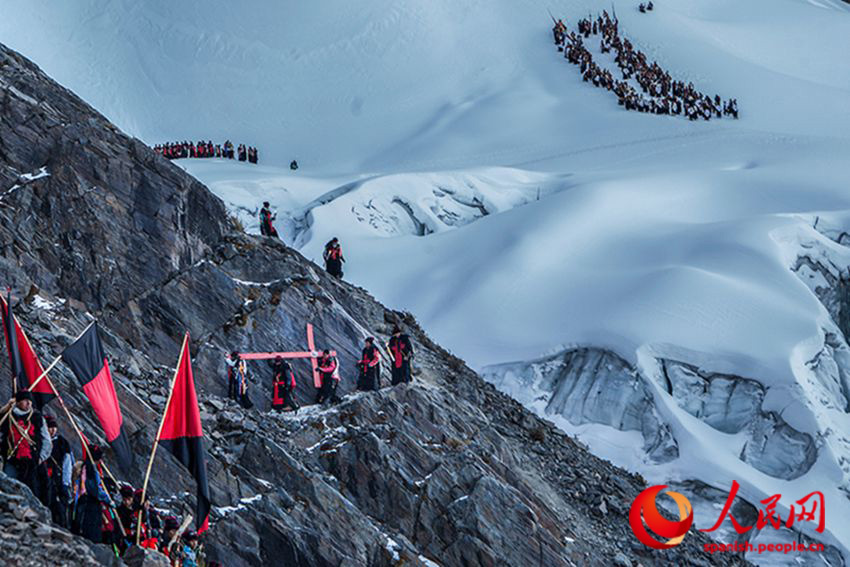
[445, 471]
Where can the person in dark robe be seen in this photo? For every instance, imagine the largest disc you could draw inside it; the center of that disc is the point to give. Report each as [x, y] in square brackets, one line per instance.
[283, 386]
[90, 515]
[370, 367]
[333, 258]
[329, 373]
[401, 350]
[58, 470]
[126, 513]
[266, 218]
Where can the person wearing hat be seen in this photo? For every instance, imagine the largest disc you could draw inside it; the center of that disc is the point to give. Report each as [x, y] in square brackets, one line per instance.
[150, 519]
[189, 551]
[401, 350]
[92, 496]
[126, 511]
[58, 469]
[370, 367]
[169, 534]
[25, 441]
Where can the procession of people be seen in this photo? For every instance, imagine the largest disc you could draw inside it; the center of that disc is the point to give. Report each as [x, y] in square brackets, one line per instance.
[656, 91]
[79, 493]
[327, 377]
[206, 149]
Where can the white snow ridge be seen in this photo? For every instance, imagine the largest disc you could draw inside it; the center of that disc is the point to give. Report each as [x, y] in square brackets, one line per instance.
[674, 293]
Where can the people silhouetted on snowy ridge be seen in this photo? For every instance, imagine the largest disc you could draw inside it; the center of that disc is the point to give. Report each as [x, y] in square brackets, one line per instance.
[266, 218]
[333, 258]
[206, 149]
[659, 93]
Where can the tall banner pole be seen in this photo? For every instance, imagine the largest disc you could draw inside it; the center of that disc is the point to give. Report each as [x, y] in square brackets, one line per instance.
[158, 433]
[34, 384]
[85, 444]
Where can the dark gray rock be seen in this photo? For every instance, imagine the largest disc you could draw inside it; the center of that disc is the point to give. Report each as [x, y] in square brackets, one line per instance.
[29, 540]
[140, 557]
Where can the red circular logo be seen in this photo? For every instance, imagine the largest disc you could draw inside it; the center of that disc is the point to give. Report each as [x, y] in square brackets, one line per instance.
[644, 511]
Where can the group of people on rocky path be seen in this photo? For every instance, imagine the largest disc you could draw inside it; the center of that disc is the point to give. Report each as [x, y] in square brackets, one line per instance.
[80, 494]
[658, 92]
[399, 351]
[206, 149]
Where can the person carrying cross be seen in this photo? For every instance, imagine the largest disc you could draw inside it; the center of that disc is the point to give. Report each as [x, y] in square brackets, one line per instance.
[283, 386]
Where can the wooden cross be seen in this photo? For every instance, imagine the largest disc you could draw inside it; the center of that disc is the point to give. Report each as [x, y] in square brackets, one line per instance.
[312, 354]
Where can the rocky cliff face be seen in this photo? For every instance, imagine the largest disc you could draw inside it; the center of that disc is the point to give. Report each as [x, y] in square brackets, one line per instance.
[445, 471]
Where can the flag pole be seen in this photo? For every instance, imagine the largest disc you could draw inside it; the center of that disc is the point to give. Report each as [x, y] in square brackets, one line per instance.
[85, 444]
[6, 315]
[158, 432]
[77, 428]
[34, 384]
[46, 370]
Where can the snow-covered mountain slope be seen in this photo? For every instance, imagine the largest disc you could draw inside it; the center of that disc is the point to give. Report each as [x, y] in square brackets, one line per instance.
[672, 292]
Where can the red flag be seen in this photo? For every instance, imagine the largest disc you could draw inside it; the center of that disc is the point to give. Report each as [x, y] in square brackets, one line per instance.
[182, 435]
[87, 360]
[22, 356]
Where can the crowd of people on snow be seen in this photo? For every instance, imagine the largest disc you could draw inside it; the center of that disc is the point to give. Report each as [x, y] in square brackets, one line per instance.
[202, 149]
[657, 92]
[81, 494]
[399, 349]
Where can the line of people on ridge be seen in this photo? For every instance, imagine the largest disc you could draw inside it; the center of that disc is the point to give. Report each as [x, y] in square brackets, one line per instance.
[659, 93]
[399, 347]
[80, 496]
[332, 254]
[206, 149]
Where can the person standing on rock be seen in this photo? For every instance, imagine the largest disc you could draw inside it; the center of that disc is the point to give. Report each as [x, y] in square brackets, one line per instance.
[189, 550]
[59, 472]
[92, 497]
[329, 373]
[237, 378]
[370, 367]
[126, 511]
[333, 258]
[25, 440]
[283, 386]
[266, 218]
[169, 536]
[401, 350]
[150, 520]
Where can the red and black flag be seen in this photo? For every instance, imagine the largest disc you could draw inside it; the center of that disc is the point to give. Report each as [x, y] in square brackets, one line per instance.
[25, 365]
[87, 360]
[182, 435]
